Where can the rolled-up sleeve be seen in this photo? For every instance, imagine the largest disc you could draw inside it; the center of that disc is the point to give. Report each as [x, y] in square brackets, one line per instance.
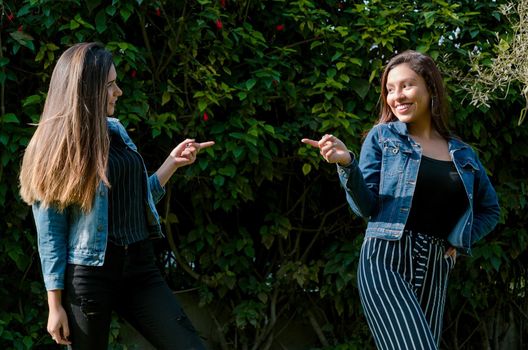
[155, 187]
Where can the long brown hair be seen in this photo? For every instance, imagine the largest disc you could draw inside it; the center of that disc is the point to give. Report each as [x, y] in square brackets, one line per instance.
[424, 66]
[66, 158]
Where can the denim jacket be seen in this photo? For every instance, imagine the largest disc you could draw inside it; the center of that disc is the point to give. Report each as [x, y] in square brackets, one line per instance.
[381, 185]
[77, 237]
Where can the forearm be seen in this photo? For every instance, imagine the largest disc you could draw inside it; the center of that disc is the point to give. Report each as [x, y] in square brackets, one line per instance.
[166, 170]
[359, 196]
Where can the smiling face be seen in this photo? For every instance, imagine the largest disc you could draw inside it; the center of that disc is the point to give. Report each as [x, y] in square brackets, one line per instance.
[113, 91]
[407, 95]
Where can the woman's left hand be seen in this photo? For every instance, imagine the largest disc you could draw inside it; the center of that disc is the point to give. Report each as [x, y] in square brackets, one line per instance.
[451, 251]
[185, 153]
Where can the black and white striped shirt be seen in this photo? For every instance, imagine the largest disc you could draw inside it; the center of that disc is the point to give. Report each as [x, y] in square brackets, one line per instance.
[126, 198]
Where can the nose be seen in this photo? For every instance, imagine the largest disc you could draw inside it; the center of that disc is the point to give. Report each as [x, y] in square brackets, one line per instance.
[399, 94]
[118, 91]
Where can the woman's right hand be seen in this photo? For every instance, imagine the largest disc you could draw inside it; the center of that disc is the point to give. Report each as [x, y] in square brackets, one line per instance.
[332, 149]
[57, 319]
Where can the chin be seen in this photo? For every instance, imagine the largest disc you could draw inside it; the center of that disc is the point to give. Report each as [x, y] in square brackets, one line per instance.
[405, 118]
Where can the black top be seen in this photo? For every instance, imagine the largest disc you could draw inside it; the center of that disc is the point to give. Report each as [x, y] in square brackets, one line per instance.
[439, 198]
[127, 222]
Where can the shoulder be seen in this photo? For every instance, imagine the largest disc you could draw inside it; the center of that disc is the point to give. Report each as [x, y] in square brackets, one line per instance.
[456, 144]
[391, 130]
[113, 122]
[115, 126]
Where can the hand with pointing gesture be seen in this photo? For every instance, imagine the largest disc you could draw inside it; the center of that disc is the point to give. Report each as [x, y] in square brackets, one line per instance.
[332, 149]
[184, 154]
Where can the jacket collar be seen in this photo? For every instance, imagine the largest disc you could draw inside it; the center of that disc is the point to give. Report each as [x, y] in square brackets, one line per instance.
[399, 127]
[454, 143]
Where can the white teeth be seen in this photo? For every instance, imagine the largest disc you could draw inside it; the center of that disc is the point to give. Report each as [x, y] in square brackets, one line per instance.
[403, 106]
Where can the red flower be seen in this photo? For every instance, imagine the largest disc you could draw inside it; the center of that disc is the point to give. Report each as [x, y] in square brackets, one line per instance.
[280, 27]
[223, 3]
[10, 17]
[205, 117]
[219, 24]
[158, 12]
[133, 73]
[21, 28]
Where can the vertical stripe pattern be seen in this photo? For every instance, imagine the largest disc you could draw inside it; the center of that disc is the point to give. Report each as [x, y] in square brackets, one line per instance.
[127, 222]
[402, 285]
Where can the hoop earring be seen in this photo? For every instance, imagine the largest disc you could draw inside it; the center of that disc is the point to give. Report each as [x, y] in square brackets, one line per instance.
[433, 104]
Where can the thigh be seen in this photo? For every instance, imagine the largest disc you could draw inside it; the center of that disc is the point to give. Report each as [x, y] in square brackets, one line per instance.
[87, 303]
[392, 310]
[432, 294]
[151, 307]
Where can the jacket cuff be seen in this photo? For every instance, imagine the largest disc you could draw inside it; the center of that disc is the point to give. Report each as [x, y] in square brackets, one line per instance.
[54, 281]
[156, 189]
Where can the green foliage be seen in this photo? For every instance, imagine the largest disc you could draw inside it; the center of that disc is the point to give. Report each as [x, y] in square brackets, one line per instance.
[259, 222]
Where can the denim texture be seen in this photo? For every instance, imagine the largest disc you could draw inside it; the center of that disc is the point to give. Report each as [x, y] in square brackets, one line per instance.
[380, 186]
[76, 237]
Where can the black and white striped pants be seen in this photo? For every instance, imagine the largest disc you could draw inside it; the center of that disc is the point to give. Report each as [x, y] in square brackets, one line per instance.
[402, 285]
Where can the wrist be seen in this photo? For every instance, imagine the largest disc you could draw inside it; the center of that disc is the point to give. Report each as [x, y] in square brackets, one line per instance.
[346, 161]
[55, 299]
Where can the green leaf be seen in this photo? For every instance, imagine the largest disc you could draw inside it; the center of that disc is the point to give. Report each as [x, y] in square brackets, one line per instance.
[10, 118]
[202, 105]
[229, 170]
[100, 21]
[306, 168]
[336, 56]
[125, 13]
[31, 100]
[340, 65]
[110, 10]
[250, 83]
[429, 18]
[166, 97]
[23, 39]
[360, 86]
[242, 95]
[219, 180]
[238, 152]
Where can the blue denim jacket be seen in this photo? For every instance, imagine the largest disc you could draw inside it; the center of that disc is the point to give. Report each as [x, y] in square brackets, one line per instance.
[75, 237]
[381, 185]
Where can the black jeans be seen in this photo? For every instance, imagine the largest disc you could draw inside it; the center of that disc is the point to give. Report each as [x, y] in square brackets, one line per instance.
[130, 283]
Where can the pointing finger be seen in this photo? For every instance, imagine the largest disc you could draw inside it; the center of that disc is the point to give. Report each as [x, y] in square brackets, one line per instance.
[205, 144]
[312, 143]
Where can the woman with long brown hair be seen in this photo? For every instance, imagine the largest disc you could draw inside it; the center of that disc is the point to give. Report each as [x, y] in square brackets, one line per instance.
[94, 209]
[425, 195]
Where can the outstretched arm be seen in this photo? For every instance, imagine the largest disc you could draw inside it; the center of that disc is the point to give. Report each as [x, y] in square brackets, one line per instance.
[332, 149]
[184, 154]
[361, 182]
